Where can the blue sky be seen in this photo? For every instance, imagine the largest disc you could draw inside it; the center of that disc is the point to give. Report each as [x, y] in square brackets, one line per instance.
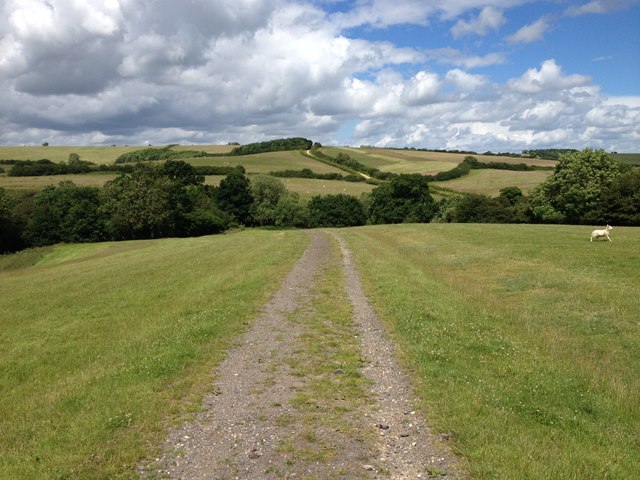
[500, 75]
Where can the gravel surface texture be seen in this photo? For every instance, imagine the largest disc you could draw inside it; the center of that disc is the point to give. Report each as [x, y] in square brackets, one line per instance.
[254, 425]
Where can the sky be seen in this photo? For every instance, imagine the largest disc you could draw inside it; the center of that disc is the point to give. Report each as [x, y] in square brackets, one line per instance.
[481, 75]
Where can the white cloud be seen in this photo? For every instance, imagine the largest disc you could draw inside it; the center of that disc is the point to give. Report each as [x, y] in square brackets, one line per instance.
[464, 81]
[531, 33]
[598, 7]
[549, 77]
[244, 70]
[451, 56]
[489, 19]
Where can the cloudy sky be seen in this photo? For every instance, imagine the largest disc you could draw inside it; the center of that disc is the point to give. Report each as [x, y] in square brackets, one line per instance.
[500, 75]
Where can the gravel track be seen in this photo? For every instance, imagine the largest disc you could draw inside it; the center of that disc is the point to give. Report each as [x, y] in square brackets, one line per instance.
[242, 433]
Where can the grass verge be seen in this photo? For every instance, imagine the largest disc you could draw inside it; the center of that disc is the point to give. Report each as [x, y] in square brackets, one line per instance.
[103, 343]
[524, 341]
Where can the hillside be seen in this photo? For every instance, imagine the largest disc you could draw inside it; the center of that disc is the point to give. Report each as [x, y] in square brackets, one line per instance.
[386, 160]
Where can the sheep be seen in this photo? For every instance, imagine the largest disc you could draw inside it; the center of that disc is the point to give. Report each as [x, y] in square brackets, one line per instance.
[601, 233]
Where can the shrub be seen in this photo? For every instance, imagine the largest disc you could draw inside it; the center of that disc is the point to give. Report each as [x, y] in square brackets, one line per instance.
[339, 210]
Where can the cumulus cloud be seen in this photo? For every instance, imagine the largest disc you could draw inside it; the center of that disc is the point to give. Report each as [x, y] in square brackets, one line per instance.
[215, 71]
[548, 77]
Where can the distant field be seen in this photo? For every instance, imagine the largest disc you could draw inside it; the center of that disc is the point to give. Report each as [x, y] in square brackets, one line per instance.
[268, 162]
[37, 183]
[96, 155]
[490, 182]
[632, 158]
[308, 188]
[523, 341]
[426, 163]
[61, 154]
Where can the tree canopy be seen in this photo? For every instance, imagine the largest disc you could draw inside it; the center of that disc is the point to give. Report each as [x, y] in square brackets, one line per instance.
[575, 187]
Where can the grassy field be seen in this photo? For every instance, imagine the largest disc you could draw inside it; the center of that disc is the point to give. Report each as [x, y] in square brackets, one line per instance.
[103, 344]
[61, 154]
[426, 163]
[632, 158]
[490, 182]
[308, 188]
[524, 341]
[268, 162]
[96, 155]
[37, 183]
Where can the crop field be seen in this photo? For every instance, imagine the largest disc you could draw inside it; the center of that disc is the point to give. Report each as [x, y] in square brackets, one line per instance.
[308, 188]
[268, 162]
[37, 183]
[426, 163]
[524, 341]
[490, 182]
[102, 344]
[96, 155]
[632, 158]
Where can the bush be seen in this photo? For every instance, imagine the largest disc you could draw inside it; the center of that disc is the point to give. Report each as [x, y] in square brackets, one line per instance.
[339, 210]
[406, 198]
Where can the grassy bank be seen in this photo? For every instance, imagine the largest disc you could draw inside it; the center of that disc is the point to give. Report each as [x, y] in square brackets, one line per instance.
[103, 343]
[524, 341]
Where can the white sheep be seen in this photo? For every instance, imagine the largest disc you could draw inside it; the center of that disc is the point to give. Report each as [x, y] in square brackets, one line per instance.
[601, 233]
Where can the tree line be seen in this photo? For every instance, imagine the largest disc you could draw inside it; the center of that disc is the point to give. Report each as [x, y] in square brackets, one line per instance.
[153, 201]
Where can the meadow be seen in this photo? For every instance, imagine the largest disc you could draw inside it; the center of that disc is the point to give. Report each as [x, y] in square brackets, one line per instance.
[490, 182]
[268, 162]
[97, 155]
[105, 343]
[523, 341]
[423, 162]
[487, 182]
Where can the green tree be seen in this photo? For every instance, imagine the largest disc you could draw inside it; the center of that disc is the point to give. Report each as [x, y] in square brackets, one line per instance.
[405, 198]
[620, 202]
[66, 213]
[204, 216]
[10, 238]
[181, 172]
[575, 188]
[142, 204]
[267, 192]
[290, 213]
[234, 197]
[339, 210]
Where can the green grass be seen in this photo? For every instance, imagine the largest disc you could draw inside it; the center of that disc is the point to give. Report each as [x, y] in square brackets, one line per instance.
[97, 179]
[490, 182]
[61, 154]
[308, 188]
[424, 162]
[632, 158]
[96, 155]
[103, 344]
[524, 340]
[268, 162]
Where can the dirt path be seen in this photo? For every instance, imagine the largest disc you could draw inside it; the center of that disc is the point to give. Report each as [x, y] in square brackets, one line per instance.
[310, 392]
